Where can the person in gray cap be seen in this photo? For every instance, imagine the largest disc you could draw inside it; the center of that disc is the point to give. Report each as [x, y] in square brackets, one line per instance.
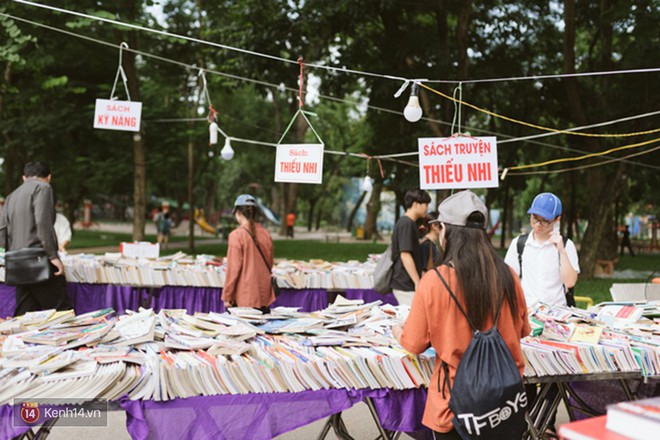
[482, 284]
[249, 260]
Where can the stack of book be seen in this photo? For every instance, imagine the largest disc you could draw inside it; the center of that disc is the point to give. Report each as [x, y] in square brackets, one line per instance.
[209, 271]
[637, 420]
[173, 354]
[610, 338]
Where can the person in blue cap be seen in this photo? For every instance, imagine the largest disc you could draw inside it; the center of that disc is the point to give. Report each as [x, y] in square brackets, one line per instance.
[547, 264]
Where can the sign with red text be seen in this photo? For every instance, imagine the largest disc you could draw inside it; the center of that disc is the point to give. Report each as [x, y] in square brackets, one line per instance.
[117, 115]
[458, 162]
[299, 163]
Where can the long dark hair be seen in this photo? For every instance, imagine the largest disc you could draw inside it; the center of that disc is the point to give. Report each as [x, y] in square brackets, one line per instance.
[250, 213]
[481, 272]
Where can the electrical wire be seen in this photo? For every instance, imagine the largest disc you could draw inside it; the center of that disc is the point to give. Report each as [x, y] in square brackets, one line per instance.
[323, 66]
[539, 127]
[385, 157]
[583, 167]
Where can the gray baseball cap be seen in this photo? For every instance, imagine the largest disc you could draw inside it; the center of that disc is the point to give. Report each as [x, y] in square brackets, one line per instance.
[244, 200]
[456, 209]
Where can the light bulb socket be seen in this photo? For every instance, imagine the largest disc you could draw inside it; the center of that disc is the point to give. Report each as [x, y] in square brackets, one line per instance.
[213, 133]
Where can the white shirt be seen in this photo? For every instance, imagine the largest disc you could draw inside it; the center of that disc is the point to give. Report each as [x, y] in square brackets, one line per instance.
[541, 279]
[62, 229]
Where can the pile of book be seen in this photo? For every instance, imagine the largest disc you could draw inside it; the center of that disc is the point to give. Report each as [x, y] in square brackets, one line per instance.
[636, 420]
[606, 339]
[174, 355]
[209, 271]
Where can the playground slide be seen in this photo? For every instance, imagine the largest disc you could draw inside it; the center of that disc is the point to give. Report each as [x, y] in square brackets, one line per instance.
[202, 223]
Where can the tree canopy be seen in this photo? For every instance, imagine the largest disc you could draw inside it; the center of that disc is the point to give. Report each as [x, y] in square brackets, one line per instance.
[56, 64]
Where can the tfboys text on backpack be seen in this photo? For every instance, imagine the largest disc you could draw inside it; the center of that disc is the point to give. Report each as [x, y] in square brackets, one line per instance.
[487, 398]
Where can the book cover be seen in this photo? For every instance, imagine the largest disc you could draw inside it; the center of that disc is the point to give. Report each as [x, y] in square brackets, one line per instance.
[638, 420]
[589, 429]
[586, 333]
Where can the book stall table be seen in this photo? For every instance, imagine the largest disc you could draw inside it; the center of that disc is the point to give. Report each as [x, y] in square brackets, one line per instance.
[87, 297]
[629, 385]
[257, 416]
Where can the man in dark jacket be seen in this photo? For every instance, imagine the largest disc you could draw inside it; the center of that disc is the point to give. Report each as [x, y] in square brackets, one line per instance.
[27, 221]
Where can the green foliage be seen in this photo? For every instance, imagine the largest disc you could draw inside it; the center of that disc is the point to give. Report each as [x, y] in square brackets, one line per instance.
[51, 81]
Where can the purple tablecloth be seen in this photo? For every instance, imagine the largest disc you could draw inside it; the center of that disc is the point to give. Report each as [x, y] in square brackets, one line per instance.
[264, 416]
[90, 297]
[255, 416]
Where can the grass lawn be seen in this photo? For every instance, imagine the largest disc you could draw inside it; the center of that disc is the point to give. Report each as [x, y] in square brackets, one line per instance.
[86, 238]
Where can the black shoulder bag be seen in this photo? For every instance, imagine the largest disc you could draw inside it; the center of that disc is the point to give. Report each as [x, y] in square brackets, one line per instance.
[273, 281]
[26, 266]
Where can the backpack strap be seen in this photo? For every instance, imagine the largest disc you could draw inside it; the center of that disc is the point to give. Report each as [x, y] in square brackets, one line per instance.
[444, 367]
[522, 239]
[259, 249]
[474, 329]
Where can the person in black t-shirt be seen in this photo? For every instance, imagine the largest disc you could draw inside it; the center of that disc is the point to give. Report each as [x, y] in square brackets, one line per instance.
[406, 251]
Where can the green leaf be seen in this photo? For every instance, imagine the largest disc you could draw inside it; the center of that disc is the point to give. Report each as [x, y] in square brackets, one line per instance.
[51, 83]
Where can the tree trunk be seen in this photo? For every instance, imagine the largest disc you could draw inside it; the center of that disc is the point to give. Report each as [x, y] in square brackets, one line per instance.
[310, 214]
[319, 216]
[191, 202]
[603, 188]
[504, 220]
[139, 163]
[351, 216]
[373, 208]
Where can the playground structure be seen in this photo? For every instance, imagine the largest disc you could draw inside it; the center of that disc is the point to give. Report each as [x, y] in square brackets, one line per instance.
[202, 223]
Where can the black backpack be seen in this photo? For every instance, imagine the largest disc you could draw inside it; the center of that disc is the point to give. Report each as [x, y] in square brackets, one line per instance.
[570, 293]
[488, 398]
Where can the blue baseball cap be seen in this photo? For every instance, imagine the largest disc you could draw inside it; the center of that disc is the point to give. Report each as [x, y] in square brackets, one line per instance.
[244, 200]
[546, 205]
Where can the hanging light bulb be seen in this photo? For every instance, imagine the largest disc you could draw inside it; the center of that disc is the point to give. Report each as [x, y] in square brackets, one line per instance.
[213, 133]
[227, 151]
[413, 112]
[367, 184]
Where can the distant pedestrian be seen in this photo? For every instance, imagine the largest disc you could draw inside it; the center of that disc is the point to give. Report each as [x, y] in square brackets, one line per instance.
[625, 242]
[164, 228]
[290, 222]
[62, 231]
[27, 221]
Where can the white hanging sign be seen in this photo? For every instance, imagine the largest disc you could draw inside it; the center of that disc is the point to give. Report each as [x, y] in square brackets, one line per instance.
[458, 162]
[299, 163]
[118, 115]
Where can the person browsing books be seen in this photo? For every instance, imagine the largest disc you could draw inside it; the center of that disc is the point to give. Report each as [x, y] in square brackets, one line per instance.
[429, 243]
[27, 221]
[482, 284]
[549, 266]
[406, 250]
[249, 260]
